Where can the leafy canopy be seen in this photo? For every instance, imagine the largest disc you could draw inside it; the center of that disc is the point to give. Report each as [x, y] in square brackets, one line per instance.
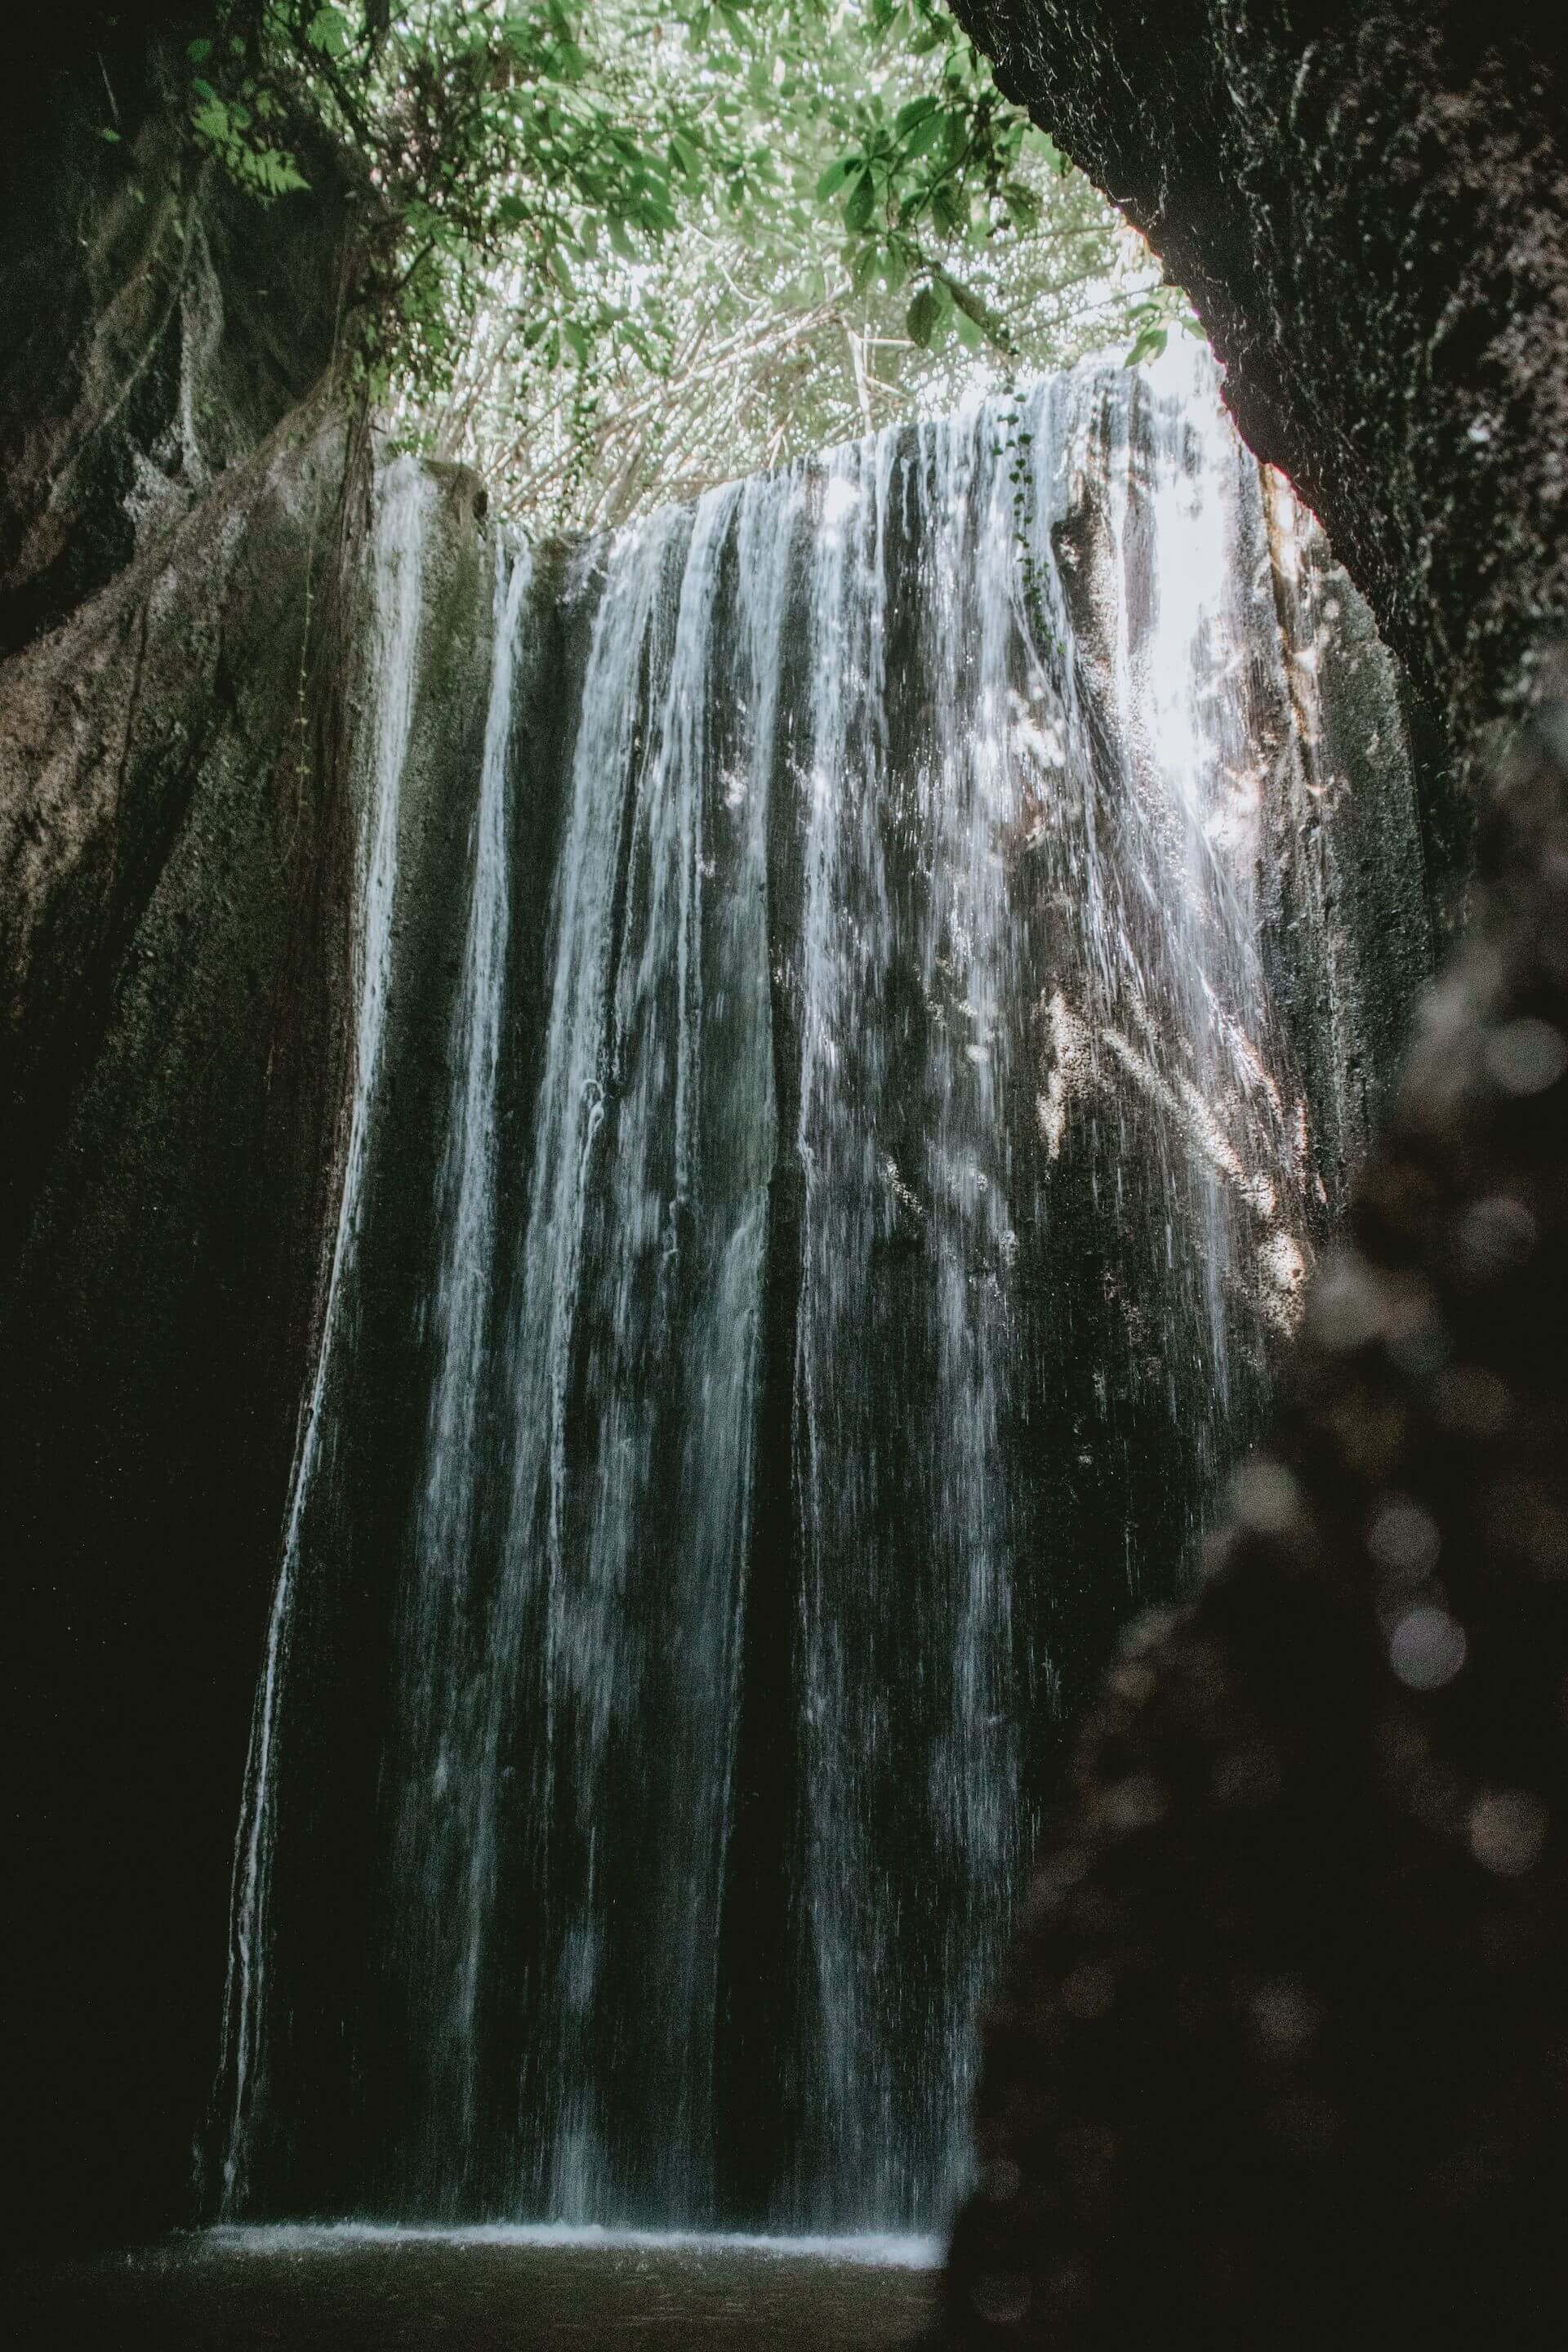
[617, 253]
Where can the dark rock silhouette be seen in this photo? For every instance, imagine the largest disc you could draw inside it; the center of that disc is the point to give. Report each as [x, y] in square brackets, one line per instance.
[1281, 2056]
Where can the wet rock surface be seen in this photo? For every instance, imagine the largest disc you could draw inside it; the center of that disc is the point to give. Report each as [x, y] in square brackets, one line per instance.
[158, 323]
[178, 824]
[1280, 2056]
[1366, 205]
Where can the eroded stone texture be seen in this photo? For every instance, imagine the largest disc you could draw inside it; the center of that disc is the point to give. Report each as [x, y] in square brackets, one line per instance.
[156, 323]
[1366, 204]
[174, 1044]
[179, 827]
[1281, 2058]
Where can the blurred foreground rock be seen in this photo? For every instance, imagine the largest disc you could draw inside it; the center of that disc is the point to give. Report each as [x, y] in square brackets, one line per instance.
[1282, 2056]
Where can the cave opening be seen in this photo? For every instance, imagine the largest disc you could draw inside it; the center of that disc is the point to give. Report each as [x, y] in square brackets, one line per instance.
[664, 1168]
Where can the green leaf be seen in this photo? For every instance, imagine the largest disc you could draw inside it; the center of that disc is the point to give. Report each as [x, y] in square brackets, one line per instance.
[280, 175]
[1149, 346]
[575, 340]
[864, 266]
[1023, 205]
[833, 178]
[328, 31]
[932, 132]
[969, 304]
[108, 131]
[949, 210]
[915, 111]
[862, 200]
[922, 316]
[198, 52]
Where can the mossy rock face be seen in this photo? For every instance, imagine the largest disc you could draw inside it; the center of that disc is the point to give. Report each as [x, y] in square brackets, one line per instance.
[176, 842]
[175, 1045]
[1366, 204]
[160, 322]
[180, 811]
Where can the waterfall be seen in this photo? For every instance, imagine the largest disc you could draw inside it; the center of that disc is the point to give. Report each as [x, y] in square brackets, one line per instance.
[872, 1179]
[443, 1679]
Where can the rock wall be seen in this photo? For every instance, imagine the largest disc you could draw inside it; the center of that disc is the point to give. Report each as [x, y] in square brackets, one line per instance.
[176, 961]
[159, 322]
[1278, 2056]
[1366, 203]
[172, 880]
[183, 526]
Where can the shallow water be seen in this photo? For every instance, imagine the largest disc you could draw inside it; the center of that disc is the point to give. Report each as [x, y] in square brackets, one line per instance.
[485, 2291]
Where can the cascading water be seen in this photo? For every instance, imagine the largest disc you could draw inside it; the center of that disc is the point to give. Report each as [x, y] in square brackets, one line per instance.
[865, 1202]
[443, 1683]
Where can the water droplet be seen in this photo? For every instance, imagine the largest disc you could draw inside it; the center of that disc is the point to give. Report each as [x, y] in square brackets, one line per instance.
[1248, 1777]
[1308, 2124]
[1525, 1057]
[1496, 1238]
[1284, 2014]
[1089, 1992]
[1428, 1648]
[1402, 1538]
[1347, 1309]
[1266, 1497]
[1508, 1830]
[1135, 1803]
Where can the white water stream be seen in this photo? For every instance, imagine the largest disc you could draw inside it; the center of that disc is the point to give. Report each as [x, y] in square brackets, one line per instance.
[912, 1164]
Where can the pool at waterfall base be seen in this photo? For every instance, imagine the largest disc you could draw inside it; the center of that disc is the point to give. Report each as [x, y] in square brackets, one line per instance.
[357, 2287]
